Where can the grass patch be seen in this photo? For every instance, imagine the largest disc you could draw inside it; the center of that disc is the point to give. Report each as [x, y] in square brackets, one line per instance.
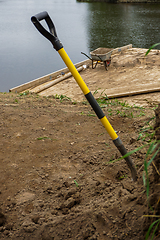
[24, 93]
[62, 97]
[147, 132]
[117, 107]
[121, 108]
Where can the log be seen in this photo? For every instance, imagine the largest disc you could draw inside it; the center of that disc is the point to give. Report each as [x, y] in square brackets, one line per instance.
[132, 93]
[120, 49]
[47, 85]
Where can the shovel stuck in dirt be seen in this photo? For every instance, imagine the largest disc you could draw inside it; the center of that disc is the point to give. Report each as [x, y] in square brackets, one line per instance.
[51, 35]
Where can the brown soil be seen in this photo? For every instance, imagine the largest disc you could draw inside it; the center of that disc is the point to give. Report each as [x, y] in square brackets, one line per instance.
[57, 175]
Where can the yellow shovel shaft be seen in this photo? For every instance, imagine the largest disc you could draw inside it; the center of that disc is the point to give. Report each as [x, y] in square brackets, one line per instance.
[88, 94]
[73, 70]
[109, 128]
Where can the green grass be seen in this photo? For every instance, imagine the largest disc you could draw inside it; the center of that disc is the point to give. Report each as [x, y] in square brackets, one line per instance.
[153, 148]
[153, 46]
[150, 155]
[122, 177]
[77, 185]
[24, 93]
[117, 107]
[147, 132]
[152, 152]
[157, 222]
[90, 114]
[62, 97]
[147, 136]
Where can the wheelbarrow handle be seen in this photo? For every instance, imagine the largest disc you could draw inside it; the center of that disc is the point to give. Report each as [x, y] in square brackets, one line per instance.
[51, 35]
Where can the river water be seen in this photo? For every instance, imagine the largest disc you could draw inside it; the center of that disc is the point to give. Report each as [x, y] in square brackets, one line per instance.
[26, 55]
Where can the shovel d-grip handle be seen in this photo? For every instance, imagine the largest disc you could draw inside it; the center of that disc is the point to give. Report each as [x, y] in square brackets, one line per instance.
[52, 36]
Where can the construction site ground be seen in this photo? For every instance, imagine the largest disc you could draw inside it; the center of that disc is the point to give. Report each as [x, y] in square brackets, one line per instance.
[60, 177]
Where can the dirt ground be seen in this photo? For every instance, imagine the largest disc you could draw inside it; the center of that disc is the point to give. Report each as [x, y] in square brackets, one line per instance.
[58, 178]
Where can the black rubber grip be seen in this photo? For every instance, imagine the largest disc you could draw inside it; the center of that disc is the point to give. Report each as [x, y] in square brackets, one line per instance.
[51, 35]
[100, 114]
[42, 15]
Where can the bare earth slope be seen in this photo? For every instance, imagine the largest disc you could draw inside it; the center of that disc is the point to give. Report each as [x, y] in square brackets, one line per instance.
[57, 175]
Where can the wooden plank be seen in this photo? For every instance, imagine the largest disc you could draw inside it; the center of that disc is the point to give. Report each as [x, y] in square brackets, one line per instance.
[46, 78]
[120, 49]
[132, 93]
[45, 86]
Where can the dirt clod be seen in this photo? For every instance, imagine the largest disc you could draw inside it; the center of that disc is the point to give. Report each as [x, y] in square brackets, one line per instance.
[2, 218]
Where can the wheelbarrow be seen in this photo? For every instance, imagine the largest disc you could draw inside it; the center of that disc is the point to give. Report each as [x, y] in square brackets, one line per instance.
[100, 55]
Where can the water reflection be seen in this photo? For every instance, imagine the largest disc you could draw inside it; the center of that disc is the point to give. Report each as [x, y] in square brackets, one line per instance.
[26, 55]
[113, 25]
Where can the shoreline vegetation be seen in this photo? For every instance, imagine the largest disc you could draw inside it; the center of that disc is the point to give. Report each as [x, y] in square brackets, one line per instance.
[122, 1]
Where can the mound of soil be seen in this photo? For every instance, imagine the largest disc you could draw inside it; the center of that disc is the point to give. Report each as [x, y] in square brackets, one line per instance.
[58, 177]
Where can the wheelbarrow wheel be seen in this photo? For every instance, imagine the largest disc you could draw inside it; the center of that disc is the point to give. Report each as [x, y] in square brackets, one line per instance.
[107, 63]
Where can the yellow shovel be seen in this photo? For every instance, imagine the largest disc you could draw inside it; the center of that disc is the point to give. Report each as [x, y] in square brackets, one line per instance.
[51, 35]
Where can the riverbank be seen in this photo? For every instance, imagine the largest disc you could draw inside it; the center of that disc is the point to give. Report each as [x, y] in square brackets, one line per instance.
[129, 74]
[122, 1]
[95, 25]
